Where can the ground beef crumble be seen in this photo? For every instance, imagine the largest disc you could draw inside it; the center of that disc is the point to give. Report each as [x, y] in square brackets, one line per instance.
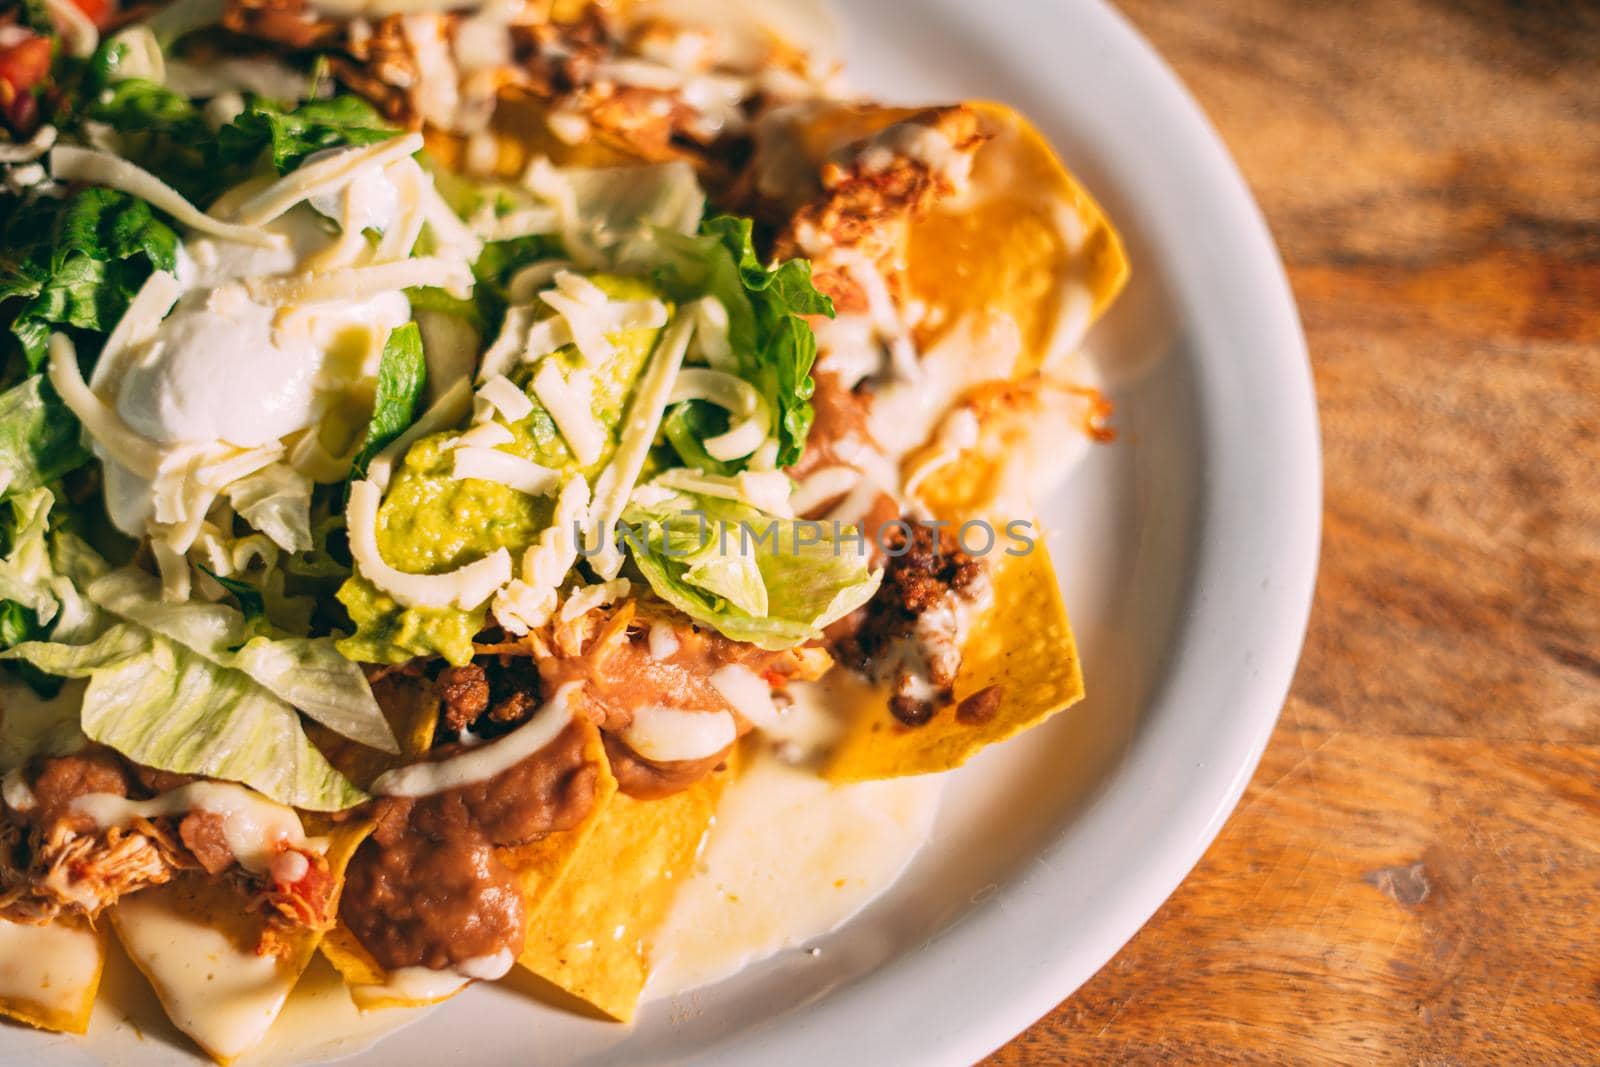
[904, 633]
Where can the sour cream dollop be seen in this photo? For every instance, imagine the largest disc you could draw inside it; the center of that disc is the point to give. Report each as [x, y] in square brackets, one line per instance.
[225, 368]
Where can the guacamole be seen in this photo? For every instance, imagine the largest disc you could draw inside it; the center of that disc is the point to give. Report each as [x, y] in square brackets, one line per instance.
[431, 522]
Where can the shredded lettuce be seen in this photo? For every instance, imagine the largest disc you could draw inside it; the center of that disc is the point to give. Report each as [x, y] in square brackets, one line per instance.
[306, 673]
[276, 500]
[775, 583]
[26, 573]
[167, 682]
[179, 688]
[402, 379]
[773, 344]
[164, 706]
[31, 593]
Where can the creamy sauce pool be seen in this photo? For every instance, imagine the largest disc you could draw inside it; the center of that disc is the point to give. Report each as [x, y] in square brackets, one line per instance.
[790, 857]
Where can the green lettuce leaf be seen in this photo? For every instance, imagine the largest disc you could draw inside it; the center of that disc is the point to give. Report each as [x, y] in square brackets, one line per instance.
[774, 346]
[36, 596]
[27, 601]
[687, 425]
[290, 134]
[402, 378]
[775, 583]
[77, 263]
[164, 706]
[26, 572]
[159, 130]
[40, 440]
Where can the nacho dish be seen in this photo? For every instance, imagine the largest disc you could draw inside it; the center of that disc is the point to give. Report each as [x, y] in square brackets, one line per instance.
[525, 488]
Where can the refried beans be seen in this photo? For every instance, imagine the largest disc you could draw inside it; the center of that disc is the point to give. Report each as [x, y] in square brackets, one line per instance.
[429, 889]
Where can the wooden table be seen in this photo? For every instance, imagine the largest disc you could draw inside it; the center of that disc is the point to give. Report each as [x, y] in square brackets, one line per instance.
[1414, 874]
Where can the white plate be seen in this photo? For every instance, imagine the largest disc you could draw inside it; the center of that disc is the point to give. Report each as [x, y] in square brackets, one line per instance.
[1187, 552]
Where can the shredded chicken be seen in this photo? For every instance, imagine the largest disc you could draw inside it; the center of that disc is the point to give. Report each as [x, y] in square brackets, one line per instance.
[865, 197]
[53, 861]
[611, 652]
[43, 875]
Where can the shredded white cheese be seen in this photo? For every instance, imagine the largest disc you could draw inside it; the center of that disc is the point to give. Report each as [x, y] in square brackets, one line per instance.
[531, 599]
[711, 343]
[569, 401]
[484, 435]
[507, 347]
[585, 316]
[138, 454]
[767, 491]
[616, 482]
[323, 177]
[362, 283]
[138, 324]
[506, 398]
[43, 139]
[749, 417]
[586, 599]
[94, 167]
[821, 486]
[514, 472]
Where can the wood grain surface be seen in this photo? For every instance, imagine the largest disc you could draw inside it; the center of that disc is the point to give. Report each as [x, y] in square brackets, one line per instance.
[1414, 874]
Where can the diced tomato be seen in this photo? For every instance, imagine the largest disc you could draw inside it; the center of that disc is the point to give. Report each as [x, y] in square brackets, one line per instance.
[25, 64]
[99, 11]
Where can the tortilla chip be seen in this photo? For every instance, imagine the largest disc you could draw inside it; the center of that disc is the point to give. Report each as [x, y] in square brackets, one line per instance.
[195, 939]
[1026, 236]
[542, 864]
[1023, 645]
[592, 936]
[49, 974]
[373, 988]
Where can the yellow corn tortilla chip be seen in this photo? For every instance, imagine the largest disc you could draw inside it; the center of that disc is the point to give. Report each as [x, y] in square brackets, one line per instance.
[1028, 233]
[195, 939]
[49, 974]
[542, 864]
[592, 936]
[1021, 241]
[1022, 644]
